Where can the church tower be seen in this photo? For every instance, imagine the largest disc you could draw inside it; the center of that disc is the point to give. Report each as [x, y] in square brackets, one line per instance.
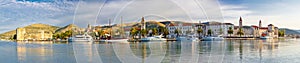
[143, 26]
[259, 23]
[240, 23]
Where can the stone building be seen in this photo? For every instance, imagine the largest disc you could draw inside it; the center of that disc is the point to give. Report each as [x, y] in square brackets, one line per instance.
[33, 34]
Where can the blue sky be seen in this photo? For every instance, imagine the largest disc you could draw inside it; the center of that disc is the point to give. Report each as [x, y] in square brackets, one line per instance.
[18, 13]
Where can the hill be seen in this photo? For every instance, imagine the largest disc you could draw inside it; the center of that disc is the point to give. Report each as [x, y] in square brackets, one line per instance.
[30, 29]
[66, 28]
[290, 31]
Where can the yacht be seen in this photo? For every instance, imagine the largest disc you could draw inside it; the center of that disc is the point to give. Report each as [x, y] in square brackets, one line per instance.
[81, 38]
[154, 38]
[212, 38]
[188, 38]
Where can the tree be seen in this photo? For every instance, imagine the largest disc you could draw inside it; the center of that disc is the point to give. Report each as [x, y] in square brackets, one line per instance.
[177, 32]
[154, 31]
[133, 32]
[199, 31]
[165, 32]
[240, 32]
[281, 33]
[230, 31]
[144, 32]
[161, 29]
[209, 32]
[101, 33]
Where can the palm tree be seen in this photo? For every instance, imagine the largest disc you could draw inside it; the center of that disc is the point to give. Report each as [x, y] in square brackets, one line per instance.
[165, 32]
[230, 31]
[209, 32]
[133, 32]
[281, 33]
[199, 31]
[240, 32]
[144, 32]
[177, 31]
[154, 31]
[101, 33]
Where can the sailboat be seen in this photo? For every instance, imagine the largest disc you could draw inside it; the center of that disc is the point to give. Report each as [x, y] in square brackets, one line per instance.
[111, 39]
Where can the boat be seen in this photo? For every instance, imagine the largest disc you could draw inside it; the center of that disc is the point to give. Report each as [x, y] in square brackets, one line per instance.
[154, 38]
[81, 38]
[266, 37]
[211, 38]
[112, 39]
[188, 38]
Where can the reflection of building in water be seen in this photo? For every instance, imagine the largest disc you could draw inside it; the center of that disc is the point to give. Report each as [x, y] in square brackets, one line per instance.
[38, 51]
[21, 51]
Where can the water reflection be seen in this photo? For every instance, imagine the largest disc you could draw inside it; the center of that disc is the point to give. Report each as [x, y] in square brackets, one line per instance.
[229, 51]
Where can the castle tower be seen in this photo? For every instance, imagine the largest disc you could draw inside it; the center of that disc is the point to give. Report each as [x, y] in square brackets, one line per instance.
[20, 33]
[240, 23]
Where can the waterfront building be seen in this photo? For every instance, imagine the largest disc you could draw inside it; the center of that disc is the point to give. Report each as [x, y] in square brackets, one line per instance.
[217, 28]
[31, 34]
[256, 31]
[184, 29]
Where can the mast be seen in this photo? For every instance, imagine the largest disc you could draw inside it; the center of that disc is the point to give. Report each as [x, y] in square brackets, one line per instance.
[122, 28]
[110, 27]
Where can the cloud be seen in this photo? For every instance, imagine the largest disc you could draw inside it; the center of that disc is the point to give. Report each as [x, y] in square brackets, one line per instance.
[18, 13]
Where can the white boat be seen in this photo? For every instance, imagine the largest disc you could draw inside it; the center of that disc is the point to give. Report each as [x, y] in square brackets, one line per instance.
[188, 39]
[81, 38]
[211, 38]
[114, 40]
[154, 38]
[266, 37]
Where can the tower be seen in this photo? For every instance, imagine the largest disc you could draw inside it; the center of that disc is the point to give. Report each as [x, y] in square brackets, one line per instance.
[240, 23]
[143, 26]
[259, 23]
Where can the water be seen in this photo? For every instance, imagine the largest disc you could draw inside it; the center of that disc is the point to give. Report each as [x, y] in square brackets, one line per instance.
[229, 51]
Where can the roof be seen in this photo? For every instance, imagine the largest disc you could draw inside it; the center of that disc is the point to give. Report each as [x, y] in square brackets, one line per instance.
[254, 26]
[270, 25]
[216, 23]
[263, 28]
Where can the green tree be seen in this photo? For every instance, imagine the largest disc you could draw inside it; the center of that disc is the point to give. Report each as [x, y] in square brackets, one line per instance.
[209, 32]
[281, 33]
[154, 31]
[240, 32]
[165, 32]
[230, 31]
[133, 32]
[144, 32]
[177, 32]
[199, 31]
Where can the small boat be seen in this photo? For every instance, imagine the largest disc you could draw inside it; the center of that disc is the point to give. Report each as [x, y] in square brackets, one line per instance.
[81, 38]
[210, 38]
[154, 38]
[114, 40]
[266, 37]
[188, 38]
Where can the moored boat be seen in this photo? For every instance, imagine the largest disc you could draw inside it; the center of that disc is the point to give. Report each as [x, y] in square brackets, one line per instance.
[154, 38]
[81, 38]
[211, 38]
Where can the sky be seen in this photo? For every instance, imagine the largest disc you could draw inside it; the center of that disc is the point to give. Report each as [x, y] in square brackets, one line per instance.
[19, 13]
